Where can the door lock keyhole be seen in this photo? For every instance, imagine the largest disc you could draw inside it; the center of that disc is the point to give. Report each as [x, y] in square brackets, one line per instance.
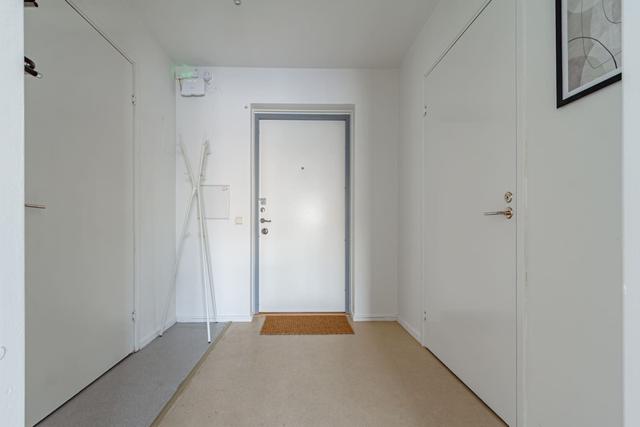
[508, 197]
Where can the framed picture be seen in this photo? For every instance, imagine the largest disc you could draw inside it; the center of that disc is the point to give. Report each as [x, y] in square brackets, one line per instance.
[589, 47]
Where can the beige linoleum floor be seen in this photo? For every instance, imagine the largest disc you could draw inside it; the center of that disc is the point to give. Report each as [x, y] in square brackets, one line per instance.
[378, 377]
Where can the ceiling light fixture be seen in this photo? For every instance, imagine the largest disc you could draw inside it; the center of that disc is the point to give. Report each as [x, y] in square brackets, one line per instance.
[237, 2]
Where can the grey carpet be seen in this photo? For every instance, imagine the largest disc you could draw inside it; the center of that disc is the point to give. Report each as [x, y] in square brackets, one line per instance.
[133, 393]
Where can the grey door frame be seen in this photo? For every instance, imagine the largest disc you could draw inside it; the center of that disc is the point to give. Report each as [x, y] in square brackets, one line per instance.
[303, 116]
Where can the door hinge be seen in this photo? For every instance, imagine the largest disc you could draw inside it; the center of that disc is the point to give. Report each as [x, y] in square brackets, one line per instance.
[425, 316]
[425, 111]
[133, 316]
[134, 100]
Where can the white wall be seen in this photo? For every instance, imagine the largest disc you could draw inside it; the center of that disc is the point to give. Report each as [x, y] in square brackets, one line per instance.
[631, 149]
[573, 298]
[224, 116]
[155, 163]
[12, 321]
[574, 259]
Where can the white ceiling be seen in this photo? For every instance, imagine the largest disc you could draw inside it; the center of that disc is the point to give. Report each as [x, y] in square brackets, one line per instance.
[286, 33]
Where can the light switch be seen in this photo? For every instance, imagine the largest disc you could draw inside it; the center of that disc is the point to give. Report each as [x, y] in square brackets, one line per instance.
[239, 220]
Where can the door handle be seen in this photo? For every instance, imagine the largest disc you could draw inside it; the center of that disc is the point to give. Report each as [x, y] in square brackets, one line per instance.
[508, 213]
[262, 220]
[34, 206]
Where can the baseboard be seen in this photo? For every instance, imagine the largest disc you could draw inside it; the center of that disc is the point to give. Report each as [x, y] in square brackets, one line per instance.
[411, 330]
[239, 318]
[146, 340]
[374, 318]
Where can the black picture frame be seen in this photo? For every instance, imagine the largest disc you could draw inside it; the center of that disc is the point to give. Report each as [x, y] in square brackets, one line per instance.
[561, 100]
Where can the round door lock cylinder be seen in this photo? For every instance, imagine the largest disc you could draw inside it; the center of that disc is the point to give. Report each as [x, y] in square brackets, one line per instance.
[508, 197]
[265, 231]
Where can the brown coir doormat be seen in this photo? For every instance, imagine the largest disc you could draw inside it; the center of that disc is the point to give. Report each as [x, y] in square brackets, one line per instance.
[306, 325]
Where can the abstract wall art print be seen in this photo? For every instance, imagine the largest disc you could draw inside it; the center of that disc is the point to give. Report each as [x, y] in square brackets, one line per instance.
[589, 47]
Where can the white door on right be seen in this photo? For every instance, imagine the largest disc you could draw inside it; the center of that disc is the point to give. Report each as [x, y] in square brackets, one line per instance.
[470, 184]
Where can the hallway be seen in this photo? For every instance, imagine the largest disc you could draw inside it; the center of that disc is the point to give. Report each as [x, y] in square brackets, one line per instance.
[378, 377]
[455, 182]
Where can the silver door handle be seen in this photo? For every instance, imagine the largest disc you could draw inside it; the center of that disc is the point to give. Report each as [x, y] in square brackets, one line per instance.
[262, 220]
[34, 206]
[508, 213]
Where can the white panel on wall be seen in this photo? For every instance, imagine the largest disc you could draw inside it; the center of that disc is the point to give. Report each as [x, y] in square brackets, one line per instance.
[217, 201]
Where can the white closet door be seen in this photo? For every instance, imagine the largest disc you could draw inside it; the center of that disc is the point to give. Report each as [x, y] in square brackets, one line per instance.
[79, 250]
[470, 164]
[302, 191]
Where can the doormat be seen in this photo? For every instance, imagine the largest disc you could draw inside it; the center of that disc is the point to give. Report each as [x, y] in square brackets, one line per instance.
[329, 324]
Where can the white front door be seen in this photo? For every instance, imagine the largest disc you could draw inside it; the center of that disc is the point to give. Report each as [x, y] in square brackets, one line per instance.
[302, 192]
[79, 250]
[470, 164]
